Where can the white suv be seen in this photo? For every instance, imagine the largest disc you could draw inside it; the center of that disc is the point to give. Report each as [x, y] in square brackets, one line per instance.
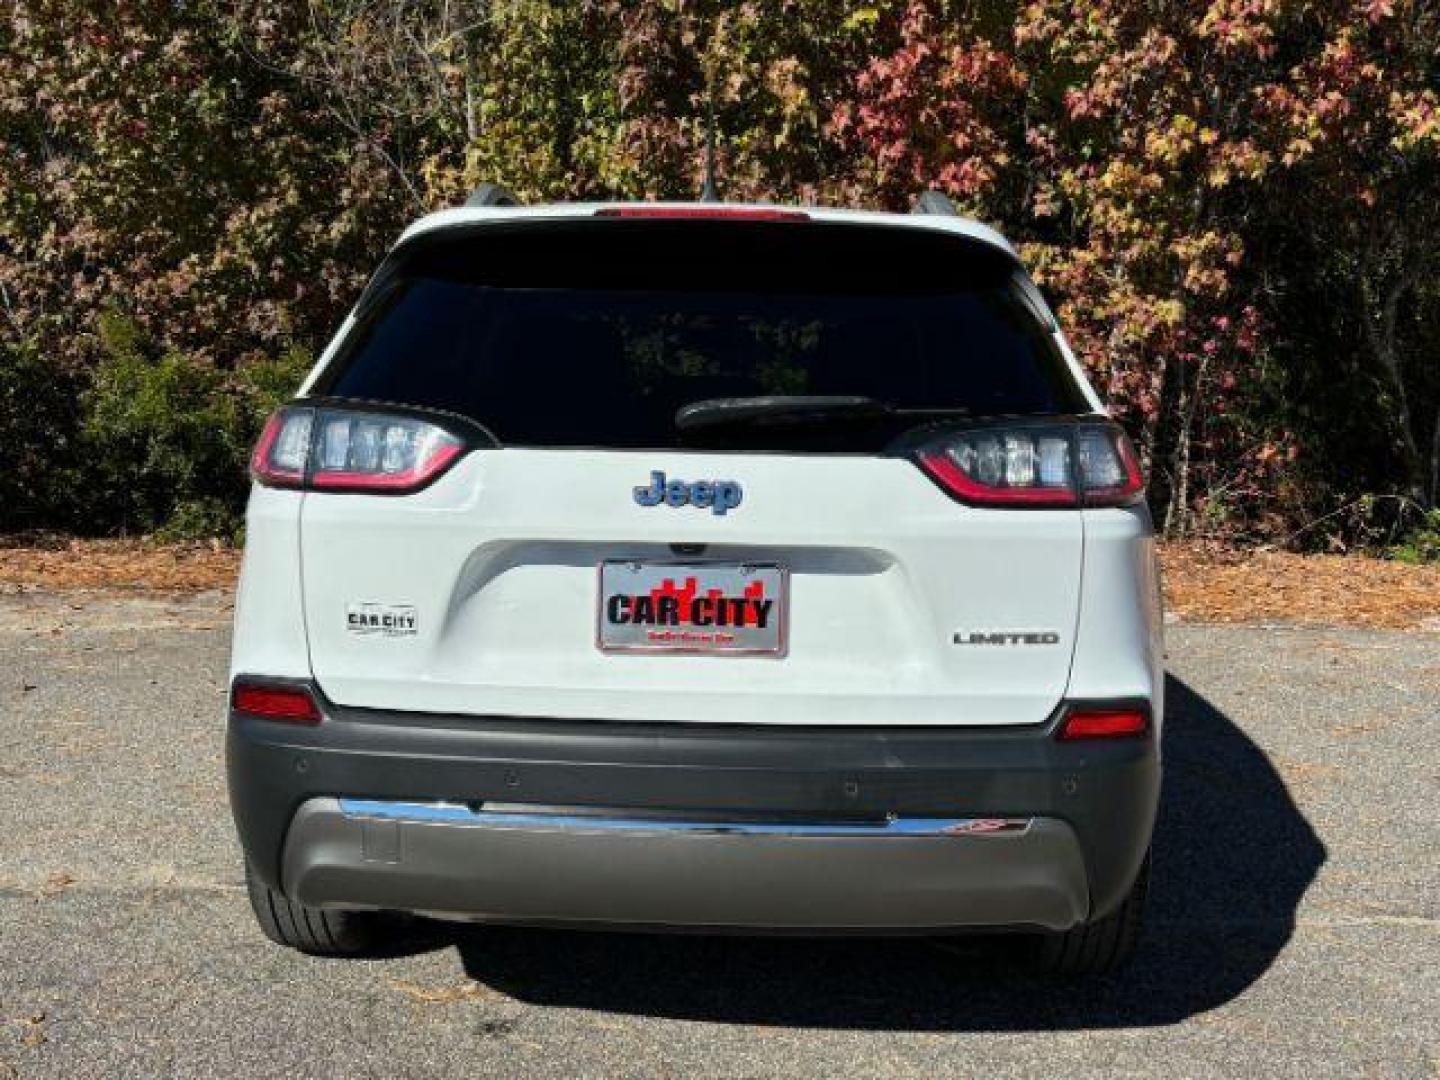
[703, 565]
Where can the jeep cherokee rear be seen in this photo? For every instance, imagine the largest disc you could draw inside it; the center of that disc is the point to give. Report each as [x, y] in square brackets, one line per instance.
[698, 565]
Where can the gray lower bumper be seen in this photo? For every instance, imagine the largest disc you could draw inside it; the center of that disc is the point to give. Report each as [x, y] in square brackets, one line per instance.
[644, 872]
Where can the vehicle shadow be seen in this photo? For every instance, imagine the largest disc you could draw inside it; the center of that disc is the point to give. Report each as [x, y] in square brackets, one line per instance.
[1233, 857]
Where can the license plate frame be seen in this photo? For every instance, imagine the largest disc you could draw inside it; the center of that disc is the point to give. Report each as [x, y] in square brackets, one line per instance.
[641, 575]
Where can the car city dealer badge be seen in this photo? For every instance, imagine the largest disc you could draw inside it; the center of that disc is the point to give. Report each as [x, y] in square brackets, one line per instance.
[384, 620]
[698, 607]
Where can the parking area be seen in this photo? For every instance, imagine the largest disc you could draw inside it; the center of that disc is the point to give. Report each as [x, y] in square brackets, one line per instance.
[1294, 930]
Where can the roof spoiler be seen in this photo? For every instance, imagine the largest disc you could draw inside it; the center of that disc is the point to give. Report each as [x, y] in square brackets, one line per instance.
[488, 194]
[933, 202]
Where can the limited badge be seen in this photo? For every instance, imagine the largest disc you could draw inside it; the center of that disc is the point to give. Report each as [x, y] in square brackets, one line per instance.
[387, 620]
[1006, 637]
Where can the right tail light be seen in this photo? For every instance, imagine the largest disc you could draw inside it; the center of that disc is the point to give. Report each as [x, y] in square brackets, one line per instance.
[1086, 463]
[327, 449]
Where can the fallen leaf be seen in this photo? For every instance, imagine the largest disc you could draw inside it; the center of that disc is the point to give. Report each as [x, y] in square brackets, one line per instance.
[35, 1030]
[443, 995]
[56, 883]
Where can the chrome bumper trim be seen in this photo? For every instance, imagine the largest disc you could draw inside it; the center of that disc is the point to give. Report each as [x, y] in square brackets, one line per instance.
[460, 814]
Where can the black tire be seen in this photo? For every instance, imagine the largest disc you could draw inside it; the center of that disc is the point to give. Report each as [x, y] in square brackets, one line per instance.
[316, 931]
[1102, 946]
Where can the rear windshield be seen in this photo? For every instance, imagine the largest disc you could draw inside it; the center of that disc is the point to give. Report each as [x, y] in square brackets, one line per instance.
[597, 333]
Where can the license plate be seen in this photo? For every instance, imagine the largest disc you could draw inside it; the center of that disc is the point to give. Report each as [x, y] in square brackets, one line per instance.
[724, 608]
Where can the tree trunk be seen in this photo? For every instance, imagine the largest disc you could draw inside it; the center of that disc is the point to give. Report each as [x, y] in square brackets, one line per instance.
[1380, 326]
[1177, 523]
[1435, 464]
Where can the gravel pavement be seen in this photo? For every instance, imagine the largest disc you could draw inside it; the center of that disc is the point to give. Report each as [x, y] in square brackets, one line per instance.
[1294, 929]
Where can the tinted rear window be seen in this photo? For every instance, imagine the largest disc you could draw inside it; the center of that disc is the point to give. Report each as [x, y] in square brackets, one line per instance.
[596, 333]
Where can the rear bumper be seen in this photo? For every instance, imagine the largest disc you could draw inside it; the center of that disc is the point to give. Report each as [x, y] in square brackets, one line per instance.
[641, 872]
[692, 825]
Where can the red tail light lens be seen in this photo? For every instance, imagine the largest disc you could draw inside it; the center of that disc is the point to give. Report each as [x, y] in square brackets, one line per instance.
[725, 213]
[275, 702]
[345, 450]
[371, 452]
[1104, 724]
[1046, 465]
[284, 449]
[1109, 469]
[998, 467]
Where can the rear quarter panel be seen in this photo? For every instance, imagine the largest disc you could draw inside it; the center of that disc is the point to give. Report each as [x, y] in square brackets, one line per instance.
[1119, 643]
[269, 616]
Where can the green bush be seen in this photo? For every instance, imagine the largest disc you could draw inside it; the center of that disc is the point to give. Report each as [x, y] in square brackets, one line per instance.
[38, 416]
[168, 436]
[1421, 543]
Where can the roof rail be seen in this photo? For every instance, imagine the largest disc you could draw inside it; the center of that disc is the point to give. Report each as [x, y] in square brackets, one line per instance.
[933, 202]
[488, 194]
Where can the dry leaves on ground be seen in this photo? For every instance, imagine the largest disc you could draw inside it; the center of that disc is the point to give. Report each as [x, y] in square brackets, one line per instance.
[1225, 585]
[127, 565]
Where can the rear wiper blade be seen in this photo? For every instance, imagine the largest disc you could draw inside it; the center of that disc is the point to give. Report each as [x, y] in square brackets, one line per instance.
[799, 409]
[782, 409]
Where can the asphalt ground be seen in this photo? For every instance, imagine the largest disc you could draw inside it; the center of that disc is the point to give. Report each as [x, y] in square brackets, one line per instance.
[1294, 927]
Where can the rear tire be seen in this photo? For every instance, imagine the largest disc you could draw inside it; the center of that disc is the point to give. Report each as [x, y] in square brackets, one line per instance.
[1102, 946]
[317, 931]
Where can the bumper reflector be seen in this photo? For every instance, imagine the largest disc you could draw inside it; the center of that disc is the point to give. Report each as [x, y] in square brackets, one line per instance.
[275, 703]
[1104, 724]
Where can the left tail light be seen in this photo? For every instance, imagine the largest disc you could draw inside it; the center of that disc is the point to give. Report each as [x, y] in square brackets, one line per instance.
[294, 704]
[323, 449]
[1087, 463]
